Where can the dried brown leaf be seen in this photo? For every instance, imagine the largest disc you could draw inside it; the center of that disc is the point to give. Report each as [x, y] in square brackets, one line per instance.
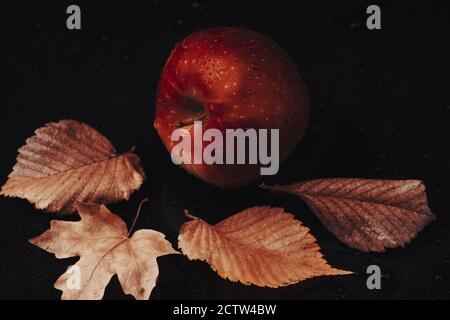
[100, 238]
[366, 214]
[68, 161]
[263, 246]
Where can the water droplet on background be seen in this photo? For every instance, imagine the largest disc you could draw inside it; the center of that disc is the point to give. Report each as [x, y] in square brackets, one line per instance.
[126, 56]
[438, 277]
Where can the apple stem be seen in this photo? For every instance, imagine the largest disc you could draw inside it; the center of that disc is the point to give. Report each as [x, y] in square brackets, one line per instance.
[191, 121]
[137, 215]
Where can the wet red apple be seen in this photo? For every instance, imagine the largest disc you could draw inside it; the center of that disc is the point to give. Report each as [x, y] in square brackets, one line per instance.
[231, 78]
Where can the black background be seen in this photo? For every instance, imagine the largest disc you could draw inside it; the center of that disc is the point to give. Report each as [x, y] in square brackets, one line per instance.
[380, 109]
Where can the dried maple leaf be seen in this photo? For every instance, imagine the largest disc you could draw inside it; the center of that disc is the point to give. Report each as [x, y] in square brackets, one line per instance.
[366, 214]
[101, 239]
[68, 161]
[263, 246]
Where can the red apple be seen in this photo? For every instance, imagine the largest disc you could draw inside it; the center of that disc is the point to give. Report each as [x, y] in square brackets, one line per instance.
[231, 78]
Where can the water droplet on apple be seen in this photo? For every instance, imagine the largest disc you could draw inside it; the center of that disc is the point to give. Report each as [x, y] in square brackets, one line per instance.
[256, 66]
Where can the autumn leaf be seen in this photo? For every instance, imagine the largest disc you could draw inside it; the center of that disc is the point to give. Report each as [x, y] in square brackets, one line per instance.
[102, 242]
[368, 215]
[67, 161]
[263, 246]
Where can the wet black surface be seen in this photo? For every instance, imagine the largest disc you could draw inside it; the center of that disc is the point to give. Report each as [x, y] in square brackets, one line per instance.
[380, 109]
